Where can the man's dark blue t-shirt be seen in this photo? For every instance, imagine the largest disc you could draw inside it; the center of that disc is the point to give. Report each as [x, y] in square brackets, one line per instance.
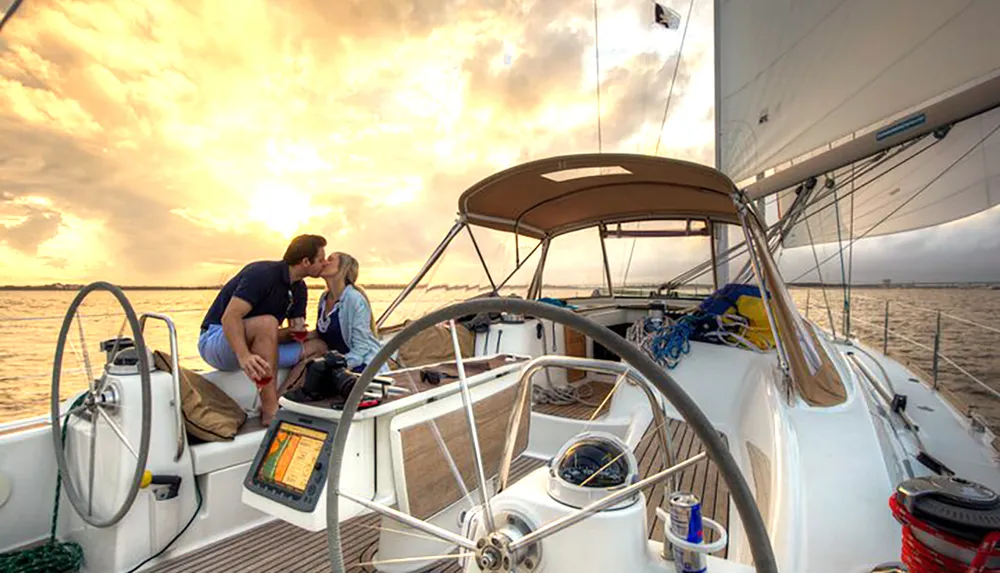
[268, 287]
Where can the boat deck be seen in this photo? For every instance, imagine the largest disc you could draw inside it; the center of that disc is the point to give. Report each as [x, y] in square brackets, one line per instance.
[279, 546]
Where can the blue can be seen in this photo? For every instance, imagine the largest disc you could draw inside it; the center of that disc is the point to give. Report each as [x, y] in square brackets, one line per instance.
[685, 523]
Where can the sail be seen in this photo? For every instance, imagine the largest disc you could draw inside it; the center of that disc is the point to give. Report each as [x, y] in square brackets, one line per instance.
[796, 78]
[931, 182]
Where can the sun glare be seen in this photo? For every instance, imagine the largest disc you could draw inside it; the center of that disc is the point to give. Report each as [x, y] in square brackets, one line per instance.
[280, 207]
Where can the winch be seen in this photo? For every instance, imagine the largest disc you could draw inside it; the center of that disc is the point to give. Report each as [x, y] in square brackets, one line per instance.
[950, 525]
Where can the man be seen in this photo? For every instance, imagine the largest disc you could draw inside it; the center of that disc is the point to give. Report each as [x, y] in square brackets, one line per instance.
[241, 330]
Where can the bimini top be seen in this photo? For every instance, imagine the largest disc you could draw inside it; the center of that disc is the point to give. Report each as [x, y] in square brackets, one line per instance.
[561, 194]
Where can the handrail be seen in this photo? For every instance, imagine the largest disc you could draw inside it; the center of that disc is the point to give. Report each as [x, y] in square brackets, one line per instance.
[81, 370]
[935, 350]
[870, 378]
[930, 310]
[576, 363]
[175, 375]
[40, 318]
[940, 354]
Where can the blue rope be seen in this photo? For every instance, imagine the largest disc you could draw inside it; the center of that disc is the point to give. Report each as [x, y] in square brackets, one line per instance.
[671, 342]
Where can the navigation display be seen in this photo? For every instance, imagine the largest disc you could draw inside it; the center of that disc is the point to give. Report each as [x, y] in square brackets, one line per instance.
[290, 459]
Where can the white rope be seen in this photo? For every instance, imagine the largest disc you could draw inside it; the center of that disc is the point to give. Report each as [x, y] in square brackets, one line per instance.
[732, 330]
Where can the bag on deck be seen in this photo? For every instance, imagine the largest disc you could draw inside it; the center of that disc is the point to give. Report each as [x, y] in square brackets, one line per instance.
[209, 413]
[745, 301]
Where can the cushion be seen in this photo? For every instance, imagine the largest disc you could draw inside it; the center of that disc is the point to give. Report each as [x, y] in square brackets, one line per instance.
[209, 413]
[434, 345]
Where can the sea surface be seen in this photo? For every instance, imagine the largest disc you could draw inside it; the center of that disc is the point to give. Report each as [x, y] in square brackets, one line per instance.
[30, 322]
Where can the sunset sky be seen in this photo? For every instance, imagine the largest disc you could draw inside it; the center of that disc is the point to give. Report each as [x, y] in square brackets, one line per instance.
[169, 143]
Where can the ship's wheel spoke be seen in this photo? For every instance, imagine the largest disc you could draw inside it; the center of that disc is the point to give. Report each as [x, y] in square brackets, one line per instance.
[470, 417]
[449, 458]
[621, 378]
[102, 382]
[412, 559]
[117, 430]
[80, 360]
[409, 520]
[75, 410]
[414, 534]
[91, 382]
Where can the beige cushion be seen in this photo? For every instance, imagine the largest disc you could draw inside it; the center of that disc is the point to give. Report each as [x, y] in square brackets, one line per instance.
[209, 413]
[434, 345]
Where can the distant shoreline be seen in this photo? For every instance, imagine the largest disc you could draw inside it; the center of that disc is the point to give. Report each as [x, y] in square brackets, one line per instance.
[71, 287]
[389, 286]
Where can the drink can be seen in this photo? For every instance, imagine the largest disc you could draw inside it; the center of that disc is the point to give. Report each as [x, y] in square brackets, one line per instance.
[685, 522]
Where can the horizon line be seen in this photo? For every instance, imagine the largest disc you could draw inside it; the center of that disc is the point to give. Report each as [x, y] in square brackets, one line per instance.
[400, 286]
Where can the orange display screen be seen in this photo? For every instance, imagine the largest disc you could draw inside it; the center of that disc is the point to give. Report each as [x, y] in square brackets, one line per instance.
[290, 459]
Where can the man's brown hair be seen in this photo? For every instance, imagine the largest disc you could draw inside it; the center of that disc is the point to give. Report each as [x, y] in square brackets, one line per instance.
[303, 247]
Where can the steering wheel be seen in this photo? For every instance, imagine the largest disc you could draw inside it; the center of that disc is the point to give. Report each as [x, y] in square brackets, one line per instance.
[753, 523]
[93, 405]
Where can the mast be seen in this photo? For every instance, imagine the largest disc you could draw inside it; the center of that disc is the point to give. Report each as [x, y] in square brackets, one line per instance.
[720, 232]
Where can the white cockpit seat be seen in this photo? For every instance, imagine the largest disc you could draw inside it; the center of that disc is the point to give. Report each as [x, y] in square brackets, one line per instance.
[207, 457]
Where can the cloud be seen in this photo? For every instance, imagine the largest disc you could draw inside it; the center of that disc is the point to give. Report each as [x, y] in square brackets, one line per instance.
[960, 251]
[34, 228]
[173, 141]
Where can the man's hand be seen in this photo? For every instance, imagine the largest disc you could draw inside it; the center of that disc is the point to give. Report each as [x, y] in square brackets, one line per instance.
[300, 331]
[255, 367]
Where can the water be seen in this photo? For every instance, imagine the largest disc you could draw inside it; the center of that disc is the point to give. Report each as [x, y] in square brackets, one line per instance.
[27, 346]
[913, 314]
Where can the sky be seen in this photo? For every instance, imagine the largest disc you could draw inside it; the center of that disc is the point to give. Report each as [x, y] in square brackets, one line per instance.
[170, 143]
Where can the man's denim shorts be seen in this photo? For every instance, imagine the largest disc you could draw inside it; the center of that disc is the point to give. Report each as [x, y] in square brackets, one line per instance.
[215, 350]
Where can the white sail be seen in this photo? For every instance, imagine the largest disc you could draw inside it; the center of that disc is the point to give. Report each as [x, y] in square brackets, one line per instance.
[799, 78]
[951, 179]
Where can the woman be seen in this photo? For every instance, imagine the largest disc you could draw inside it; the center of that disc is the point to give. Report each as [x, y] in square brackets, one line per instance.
[344, 321]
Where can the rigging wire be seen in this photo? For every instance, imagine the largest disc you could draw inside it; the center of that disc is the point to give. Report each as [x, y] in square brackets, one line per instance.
[9, 13]
[843, 268]
[912, 197]
[792, 218]
[850, 262]
[597, 65]
[814, 211]
[677, 66]
[663, 122]
[819, 272]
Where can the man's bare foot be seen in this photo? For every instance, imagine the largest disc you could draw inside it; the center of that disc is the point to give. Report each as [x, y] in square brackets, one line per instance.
[265, 420]
[268, 404]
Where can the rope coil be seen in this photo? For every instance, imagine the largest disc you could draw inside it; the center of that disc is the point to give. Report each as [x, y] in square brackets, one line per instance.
[920, 557]
[666, 341]
[53, 556]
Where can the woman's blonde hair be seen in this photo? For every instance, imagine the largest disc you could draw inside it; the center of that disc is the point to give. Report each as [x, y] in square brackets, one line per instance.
[348, 270]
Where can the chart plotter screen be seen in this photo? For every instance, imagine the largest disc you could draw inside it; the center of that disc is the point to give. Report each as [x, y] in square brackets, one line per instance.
[290, 459]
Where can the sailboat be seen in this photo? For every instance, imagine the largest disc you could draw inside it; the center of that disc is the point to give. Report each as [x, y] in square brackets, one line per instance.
[596, 433]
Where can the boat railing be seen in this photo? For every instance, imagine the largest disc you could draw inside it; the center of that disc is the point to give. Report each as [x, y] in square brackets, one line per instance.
[21, 424]
[175, 375]
[894, 342]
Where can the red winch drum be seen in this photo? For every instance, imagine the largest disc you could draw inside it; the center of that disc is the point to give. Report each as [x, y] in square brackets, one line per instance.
[950, 525]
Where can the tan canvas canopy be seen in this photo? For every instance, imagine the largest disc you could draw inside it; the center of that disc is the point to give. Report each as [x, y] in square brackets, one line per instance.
[561, 194]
